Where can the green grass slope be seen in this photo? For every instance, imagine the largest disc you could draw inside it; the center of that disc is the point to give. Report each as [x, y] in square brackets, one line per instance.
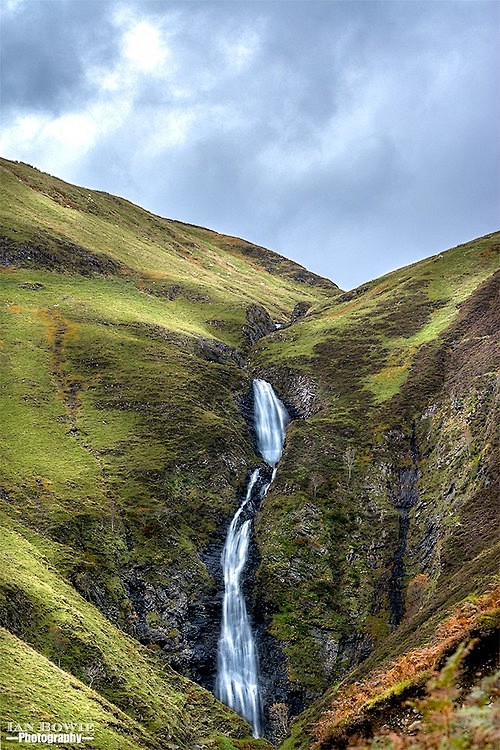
[123, 442]
[82, 669]
[127, 350]
[383, 514]
[47, 222]
[56, 697]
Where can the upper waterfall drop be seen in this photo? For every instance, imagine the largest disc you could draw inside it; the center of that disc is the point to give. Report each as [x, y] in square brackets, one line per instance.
[270, 421]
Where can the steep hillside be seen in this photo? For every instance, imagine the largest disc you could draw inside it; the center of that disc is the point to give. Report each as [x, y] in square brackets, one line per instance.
[54, 625]
[128, 347]
[385, 513]
[124, 445]
[49, 224]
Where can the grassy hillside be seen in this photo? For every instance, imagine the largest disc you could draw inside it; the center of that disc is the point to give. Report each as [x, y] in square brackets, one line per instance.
[124, 445]
[67, 228]
[128, 347]
[384, 515]
[135, 699]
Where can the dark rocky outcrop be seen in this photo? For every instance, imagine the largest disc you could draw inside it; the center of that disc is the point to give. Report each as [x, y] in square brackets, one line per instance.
[258, 324]
[298, 391]
[299, 312]
[275, 263]
[56, 255]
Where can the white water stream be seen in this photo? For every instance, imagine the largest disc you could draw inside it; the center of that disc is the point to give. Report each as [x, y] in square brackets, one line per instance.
[237, 683]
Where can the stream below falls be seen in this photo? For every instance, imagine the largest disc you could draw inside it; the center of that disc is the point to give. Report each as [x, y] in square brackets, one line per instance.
[237, 682]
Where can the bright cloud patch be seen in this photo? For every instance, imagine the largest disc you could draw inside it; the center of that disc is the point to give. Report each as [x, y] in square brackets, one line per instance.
[143, 47]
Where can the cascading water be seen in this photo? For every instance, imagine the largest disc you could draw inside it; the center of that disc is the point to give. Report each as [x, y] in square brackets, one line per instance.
[237, 667]
[237, 683]
[270, 421]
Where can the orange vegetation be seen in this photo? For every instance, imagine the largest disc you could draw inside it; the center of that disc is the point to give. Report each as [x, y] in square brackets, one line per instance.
[413, 667]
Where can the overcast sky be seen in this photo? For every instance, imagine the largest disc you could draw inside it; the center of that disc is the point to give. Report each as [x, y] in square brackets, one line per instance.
[354, 137]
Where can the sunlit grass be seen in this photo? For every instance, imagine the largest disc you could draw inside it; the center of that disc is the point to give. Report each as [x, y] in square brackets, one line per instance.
[145, 244]
[64, 629]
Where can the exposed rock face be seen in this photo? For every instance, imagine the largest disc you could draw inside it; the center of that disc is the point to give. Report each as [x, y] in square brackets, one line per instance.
[179, 614]
[299, 311]
[300, 395]
[216, 351]
[258, 325]
[276, 684]
[353, 649]
[402, 486]
[56, 256]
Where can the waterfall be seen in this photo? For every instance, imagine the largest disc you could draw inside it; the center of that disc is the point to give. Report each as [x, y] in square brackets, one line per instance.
[237, 683]
[270, 421]
[237, 666]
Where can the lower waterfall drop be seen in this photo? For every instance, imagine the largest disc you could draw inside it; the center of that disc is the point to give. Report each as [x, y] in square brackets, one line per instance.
[237, 683]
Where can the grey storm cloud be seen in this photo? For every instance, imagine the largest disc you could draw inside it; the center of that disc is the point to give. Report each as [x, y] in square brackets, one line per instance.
[45, 49]
[351, 136]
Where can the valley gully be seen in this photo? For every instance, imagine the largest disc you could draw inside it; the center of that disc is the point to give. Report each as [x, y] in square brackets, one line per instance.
[237, 683]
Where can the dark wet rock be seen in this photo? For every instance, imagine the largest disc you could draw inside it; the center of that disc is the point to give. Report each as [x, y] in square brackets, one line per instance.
[275, 685]
[258, 325]
[353, 649]
[216, 351]
[179, 615]
[299, 311]
[403, 493]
